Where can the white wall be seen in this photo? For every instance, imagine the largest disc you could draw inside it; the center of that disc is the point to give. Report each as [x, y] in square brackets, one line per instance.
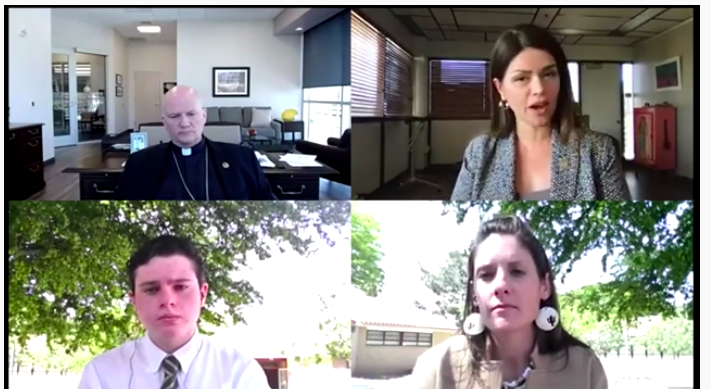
[275, 61]
[150, 57]
[119, 59]
[92, 39]
[677, 42]
[29, 76]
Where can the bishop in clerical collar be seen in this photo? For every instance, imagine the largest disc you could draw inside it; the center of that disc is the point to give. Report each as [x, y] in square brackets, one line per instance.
[191, 166]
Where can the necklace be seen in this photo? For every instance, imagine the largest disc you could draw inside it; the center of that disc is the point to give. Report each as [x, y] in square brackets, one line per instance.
[518, 383]
[180, 173]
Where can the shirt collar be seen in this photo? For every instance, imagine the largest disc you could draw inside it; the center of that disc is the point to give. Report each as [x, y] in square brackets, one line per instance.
[154, 356]
[198, 149]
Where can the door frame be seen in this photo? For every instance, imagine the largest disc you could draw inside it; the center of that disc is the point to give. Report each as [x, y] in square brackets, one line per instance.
[73, 138]
[621, 92]
[622, 107]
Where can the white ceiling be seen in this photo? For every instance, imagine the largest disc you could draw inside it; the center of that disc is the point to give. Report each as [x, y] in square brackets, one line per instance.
[125, 20]
[582, 26]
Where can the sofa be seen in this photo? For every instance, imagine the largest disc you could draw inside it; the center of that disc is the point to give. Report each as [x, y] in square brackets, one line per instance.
[218, 132]
[336, 154]
[263, 122]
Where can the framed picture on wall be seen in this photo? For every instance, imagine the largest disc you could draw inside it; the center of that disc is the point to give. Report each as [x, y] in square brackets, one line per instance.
[119, 91]
[119, 79]
[667, 75]
[230, 81]
[168, 86]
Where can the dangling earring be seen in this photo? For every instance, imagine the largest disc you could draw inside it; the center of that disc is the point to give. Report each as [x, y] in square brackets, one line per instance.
[473, 325]
[547, 319]
[503, 104]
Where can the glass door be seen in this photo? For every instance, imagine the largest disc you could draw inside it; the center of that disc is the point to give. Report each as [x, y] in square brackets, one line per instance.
[64, 98]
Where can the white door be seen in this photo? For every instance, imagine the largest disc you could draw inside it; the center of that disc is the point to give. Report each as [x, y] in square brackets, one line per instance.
[147, 97]
[64, 95]
[601, 97]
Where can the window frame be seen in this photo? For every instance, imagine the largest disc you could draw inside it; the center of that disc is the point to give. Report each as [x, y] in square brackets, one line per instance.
[493, 100]
[344, 101]
[424, 339]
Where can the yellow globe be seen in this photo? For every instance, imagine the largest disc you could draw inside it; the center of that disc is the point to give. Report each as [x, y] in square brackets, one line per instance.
[289, 115]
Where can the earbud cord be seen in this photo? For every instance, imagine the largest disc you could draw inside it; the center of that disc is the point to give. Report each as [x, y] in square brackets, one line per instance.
[135, 347]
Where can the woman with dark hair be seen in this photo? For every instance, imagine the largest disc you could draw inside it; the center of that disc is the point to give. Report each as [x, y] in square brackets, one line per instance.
[536, 148]
[512, 335]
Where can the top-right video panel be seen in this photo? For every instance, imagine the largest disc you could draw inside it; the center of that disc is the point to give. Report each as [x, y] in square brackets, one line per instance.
[470, 104]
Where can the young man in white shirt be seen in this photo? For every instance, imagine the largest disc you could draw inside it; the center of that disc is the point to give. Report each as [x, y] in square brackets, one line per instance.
[168, 288]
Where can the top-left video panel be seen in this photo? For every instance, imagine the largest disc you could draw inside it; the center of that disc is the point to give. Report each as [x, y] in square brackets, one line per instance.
[254, 105]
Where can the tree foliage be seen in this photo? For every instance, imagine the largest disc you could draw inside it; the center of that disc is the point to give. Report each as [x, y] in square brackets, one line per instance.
[67, 260]
[449, 284]
[667, 336]
[650, 258]
[366, 254]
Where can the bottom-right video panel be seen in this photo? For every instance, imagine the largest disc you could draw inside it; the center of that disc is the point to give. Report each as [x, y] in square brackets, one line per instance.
[541, 295]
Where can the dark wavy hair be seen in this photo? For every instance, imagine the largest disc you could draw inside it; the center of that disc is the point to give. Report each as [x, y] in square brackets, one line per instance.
[510, 44]
[549, 343]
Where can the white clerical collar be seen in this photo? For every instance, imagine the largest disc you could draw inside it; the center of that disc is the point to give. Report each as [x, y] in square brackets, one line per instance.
[186, 151]
[153, 356]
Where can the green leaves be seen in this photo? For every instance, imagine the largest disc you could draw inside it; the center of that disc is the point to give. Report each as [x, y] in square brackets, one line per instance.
[647, 247]
[67, 259]
[366, 273]
[449, 283]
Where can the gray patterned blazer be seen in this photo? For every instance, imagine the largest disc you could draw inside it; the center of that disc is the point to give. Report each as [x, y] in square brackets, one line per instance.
[587, 169]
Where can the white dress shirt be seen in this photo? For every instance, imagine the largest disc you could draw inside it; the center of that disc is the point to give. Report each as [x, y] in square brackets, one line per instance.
[204, 363]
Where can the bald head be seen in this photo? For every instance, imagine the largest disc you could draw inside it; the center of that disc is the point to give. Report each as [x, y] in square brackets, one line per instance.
[180, 94]
[183, 116]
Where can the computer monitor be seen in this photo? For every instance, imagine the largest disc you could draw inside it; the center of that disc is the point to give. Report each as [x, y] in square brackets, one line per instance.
[139, 141]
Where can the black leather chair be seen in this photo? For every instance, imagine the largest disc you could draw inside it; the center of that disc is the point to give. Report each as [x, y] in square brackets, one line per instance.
[337, 154]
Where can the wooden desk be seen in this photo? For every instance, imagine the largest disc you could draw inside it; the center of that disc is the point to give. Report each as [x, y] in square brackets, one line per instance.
[25, 160]
[98, 178]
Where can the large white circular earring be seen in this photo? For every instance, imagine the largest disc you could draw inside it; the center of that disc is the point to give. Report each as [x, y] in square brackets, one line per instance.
[473, 325]
[547, 319]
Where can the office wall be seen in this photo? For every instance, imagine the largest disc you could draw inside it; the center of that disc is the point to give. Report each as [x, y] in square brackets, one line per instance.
[677, 42]
[150, 57]
[275, 61]
[29, 77]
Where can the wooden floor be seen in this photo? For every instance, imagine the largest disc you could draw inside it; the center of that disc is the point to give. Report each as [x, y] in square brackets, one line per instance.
[65, 186]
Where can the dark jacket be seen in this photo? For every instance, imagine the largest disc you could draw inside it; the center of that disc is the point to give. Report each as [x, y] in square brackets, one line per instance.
[587, 169]
[238, 172]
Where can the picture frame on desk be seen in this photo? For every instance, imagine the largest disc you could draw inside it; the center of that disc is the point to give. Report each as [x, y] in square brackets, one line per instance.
[139, 141]
[667, 75]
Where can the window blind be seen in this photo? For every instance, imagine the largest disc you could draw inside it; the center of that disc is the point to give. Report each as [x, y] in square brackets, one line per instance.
[398, 80]
[367, 68]
[460, 89]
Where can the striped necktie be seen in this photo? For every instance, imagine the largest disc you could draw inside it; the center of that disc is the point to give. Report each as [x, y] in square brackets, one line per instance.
[171, 367]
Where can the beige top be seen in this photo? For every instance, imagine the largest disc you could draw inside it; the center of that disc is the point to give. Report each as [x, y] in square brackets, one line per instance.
[447, 366]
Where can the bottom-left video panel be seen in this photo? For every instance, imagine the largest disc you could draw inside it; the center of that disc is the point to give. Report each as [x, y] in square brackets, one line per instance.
[249, 295]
